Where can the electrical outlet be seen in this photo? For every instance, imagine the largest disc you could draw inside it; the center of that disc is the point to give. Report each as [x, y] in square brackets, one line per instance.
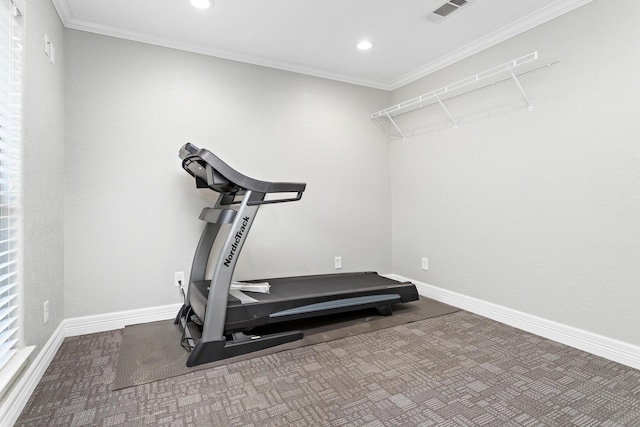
[46, 311]
[338, 262]
[425, 263]
[178, 278]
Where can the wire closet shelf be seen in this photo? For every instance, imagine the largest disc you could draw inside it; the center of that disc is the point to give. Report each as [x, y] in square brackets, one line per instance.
[507, 71]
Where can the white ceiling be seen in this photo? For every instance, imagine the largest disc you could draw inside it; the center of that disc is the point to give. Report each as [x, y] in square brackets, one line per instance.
[319, 37]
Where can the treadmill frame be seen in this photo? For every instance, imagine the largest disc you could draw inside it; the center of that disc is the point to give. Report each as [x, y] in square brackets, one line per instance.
[213, 344]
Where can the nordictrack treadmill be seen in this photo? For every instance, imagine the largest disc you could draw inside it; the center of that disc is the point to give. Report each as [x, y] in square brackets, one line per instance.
[222, 316]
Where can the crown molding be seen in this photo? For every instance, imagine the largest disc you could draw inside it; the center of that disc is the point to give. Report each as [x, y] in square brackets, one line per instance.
[72, 22]
[546, 14]
[518, 27]
[62, 7]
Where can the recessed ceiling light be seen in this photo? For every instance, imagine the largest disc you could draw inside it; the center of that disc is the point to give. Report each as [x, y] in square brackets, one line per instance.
[365, 45]
[201, 4]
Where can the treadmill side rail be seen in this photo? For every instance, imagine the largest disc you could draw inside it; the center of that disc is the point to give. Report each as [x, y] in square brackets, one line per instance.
[224, 317]
[337, 306]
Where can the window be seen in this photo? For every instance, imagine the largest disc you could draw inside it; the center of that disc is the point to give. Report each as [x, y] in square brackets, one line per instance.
[10, 136]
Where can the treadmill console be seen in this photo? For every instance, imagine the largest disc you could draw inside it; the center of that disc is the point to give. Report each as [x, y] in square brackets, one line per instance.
[211, 172]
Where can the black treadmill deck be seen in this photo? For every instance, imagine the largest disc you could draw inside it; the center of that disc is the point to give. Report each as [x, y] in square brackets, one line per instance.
[323, 294]
[226, 316]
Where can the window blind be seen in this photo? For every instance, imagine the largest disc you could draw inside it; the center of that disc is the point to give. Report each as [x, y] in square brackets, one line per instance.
[10, 136]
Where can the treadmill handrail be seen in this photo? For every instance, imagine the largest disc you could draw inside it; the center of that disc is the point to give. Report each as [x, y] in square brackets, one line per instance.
[225, 318]
[190, 153]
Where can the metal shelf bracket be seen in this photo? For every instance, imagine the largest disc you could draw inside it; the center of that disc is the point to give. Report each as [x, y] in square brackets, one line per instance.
[396, 126]
[386, 119]
[455, 125]
[524, 94]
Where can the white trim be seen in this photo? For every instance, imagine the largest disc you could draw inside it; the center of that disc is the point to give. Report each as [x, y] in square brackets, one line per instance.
[17, 397]
[599, 345]
[548, 13]
[64, 12]
[520, 26]
[10, 371]
[73, 22]
[106, 30]
[118, 320]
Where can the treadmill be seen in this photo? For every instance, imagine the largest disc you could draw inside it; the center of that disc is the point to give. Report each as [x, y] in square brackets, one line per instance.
[216, 321]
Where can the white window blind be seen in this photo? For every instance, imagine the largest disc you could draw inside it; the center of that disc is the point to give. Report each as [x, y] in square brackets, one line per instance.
[10, 135]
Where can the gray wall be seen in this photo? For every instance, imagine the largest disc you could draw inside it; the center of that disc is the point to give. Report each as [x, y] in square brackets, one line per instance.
[131, 211]
[43, 174]
[535, 211]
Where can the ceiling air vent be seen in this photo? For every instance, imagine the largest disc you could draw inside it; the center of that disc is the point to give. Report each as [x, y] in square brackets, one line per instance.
[445, 10]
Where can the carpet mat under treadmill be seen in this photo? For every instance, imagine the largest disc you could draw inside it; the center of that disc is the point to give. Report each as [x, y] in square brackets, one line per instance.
[152, 351]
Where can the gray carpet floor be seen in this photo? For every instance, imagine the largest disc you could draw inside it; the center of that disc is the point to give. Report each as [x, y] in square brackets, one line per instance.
[152, 351]
[454, 370]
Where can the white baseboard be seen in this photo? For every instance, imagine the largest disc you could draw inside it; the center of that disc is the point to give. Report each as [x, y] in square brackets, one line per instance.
[18, 395]
[618, 351]
[118, 320]
[16, 399]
